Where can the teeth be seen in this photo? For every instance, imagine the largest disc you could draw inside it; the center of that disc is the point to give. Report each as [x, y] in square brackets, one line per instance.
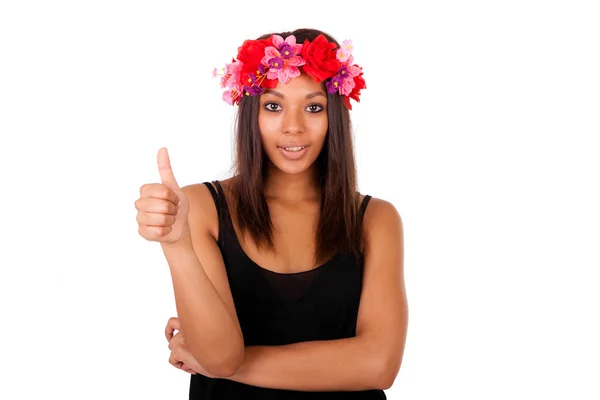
[294, 148]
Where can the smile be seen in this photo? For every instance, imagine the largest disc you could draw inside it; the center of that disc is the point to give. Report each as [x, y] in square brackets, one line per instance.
[293, 153]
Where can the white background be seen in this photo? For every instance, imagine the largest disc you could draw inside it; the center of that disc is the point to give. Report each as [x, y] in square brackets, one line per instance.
[478, 124]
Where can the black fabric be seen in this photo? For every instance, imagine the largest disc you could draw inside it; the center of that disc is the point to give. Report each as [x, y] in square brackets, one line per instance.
[283, 308]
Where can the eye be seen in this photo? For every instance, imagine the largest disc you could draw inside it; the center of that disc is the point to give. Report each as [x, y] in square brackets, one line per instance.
[315, 108]
[271, 106]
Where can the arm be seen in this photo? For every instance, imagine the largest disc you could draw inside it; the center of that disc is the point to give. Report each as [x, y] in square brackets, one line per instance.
[371, 359]
[203, 298]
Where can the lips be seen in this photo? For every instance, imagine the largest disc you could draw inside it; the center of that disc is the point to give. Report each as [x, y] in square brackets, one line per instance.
[291, 146]
[293, 155]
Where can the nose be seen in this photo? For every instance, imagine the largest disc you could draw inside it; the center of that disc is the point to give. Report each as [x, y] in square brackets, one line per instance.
[293, 122]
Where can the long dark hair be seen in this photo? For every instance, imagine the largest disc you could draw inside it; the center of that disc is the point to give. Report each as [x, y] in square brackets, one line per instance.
[340, 228]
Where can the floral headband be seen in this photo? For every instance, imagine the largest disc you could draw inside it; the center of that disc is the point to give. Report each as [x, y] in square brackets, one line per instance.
[261, 63]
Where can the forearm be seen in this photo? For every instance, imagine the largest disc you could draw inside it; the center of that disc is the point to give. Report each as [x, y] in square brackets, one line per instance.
[332, 365]
[210, 331]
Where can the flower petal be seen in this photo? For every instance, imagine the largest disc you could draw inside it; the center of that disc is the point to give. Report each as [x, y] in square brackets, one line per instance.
[296, 61]
[291, 40]
[277, 40]
[292, 71]
[272, 52]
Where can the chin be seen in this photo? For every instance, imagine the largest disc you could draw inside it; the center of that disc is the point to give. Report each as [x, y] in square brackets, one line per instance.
[291, 168]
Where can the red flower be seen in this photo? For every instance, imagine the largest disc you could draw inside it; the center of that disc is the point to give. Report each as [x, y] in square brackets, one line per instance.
[251, 52]
[359, 83]
[320, 57]
[269, 83]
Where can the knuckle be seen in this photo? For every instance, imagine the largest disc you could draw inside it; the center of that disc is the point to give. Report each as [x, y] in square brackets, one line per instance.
[158, 231]
[138, 218]
[168, 207]
[165, 219]
[145, 189]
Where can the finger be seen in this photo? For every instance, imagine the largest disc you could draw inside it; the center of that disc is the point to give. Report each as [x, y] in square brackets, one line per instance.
[187, 369]
[154, 233]
[155, 219]
[172, 325]
[159, 191]
[174, 362]
[161, 206]
[177, 339]
[165, 170]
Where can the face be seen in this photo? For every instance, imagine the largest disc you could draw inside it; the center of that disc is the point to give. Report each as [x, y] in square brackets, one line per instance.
[293, 123]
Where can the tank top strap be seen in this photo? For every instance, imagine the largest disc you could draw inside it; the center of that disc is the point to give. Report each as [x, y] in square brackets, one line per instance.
[363, 205]
[212, 191]
[220, 204]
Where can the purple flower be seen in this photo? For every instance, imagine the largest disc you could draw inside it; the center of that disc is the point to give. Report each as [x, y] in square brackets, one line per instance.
[343, 72]
[276, 63]
[252, 90]
[262, 69]
[286, 50]
[334, 84]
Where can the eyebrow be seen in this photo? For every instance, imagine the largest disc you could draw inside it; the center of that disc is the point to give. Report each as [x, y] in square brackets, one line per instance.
[279, 94]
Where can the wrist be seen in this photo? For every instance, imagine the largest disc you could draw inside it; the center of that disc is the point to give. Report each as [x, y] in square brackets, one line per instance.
[180, 244]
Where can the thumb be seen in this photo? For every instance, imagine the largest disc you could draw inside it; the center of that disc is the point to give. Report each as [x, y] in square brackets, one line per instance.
[164, 169]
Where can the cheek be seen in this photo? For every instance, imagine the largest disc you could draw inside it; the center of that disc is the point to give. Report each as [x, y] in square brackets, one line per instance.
[267, 128]
[319, 128]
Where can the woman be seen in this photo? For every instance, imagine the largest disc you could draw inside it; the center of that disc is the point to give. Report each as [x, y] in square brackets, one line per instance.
[288, 282]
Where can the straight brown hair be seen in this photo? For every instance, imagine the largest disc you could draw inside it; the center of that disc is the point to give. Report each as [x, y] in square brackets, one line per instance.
[339, 229]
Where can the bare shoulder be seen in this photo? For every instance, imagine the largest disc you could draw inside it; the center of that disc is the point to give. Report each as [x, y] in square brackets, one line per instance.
[381, 216]
[203, 212]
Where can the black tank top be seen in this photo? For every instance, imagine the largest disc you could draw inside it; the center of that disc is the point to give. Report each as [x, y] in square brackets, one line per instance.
[283, 308]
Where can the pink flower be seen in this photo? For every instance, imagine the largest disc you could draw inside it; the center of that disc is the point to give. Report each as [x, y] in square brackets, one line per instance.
[354, 70]
[347, 86]
[289, 41]
[347, 46]
[348, 72]
[344, 53]
[228, 97]
[283, 60]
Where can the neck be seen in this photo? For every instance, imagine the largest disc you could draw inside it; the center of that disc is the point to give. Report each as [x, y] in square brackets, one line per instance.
[292, 188]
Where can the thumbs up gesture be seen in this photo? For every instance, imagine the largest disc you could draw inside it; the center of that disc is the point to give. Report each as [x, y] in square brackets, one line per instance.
[163, 208]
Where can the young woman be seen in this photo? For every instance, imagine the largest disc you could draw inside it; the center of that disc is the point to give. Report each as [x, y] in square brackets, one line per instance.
[288, 282]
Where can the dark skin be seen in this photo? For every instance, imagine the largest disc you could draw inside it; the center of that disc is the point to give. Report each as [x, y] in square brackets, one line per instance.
[294, 115]
[295, 223]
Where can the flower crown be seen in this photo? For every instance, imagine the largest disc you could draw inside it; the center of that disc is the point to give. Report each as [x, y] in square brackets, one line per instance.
[261, 63]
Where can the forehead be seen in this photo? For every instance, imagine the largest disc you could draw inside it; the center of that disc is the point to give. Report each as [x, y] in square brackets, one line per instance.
[300, 86]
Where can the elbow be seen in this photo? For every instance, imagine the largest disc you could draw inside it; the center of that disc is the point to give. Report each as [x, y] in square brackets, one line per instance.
[227, 365]
[225, 369]
[387, 371]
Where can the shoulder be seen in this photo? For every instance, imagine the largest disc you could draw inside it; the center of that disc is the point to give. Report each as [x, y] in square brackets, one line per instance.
[381, 218]
[203, 211]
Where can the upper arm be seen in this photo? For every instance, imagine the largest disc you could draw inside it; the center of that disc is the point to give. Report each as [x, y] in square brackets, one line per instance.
[383, 311]
[203, 219]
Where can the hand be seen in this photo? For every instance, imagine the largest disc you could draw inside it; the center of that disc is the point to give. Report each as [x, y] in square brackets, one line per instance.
[163, 208]
[180, 356]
